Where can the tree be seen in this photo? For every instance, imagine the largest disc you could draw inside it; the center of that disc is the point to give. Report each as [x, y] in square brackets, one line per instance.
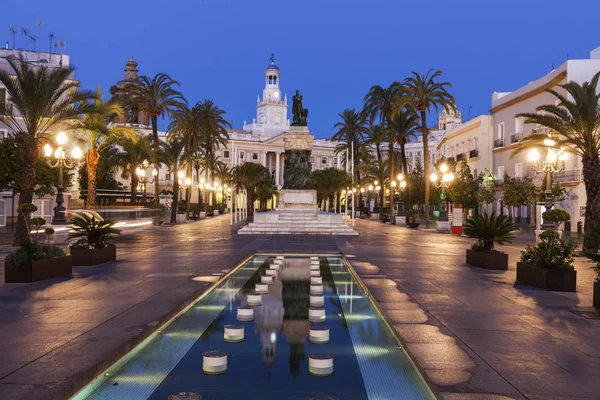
[98, 132]
[376, 136]
[329, 182]
[131, 158]
[517, 192]
[250, 176]
[404, 126]
[486, 188]
[350, 131]
[106, 169]
[45, 100]
[423, 93]
[156, 97]
[575, 126]
[463, 189]
[171, 153]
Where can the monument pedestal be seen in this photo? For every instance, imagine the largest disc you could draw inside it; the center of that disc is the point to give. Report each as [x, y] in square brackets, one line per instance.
[297, 199]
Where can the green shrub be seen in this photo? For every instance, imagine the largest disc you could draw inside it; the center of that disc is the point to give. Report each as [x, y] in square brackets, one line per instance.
[31, 251]
[557, 216]
[94, 231]
[221, 209]
[35, 224]
[210, 210]
[49, 232]
[489, 229]
[594, 239]
[552, 252]
[27, 208]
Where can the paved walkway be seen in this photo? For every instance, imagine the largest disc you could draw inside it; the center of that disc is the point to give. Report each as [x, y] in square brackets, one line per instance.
[474, 334]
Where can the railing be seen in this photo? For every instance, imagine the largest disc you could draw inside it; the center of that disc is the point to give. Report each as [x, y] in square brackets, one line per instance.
[566, 176]
[474, 153]
[516, 137]
[460, 157]
[499, 143]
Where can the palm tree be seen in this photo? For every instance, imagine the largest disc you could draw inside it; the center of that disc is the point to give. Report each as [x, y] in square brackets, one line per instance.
[423, 92]
[329, 182]
[350, 132]
[156, 96]
[172, 154]
[134, 153]
[404, 126]
[46, 100]
[186, 123]
[575, 126]
[376, 136]
[250, 176]
[98, 132]
[224, 174]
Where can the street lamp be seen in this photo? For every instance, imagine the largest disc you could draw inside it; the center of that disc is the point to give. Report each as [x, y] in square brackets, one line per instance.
[397, 187]
[553, 162]
[141, 173]
[60, 161]
[447, 177]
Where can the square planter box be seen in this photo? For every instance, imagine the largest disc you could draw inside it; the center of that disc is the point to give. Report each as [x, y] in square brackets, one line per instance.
[39, 270]
[556, 280]
[94, 256]
[489, 260]
[180, 218]
[597, 294]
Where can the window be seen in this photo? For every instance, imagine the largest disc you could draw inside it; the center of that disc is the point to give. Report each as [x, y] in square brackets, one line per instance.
[501, 173]
[241, 155]
[324, 160]
[312, 160]
[518, 170]
[255, 156]
[225, 153]
[501, 130]
[518, 125]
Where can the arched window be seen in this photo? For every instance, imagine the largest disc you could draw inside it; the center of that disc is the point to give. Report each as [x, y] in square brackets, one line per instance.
[275, 80]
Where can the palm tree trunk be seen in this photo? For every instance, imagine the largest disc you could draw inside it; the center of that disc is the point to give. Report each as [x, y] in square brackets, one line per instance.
[426, 163]
[250, 205]
[134, 184]
[26, 192]
[591, 178]
[392, 177]
[175, 204]
[91, 162]
[154, 119]
[403, 157]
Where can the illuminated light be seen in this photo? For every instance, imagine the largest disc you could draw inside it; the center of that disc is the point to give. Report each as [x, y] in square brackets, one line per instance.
[362, 190]
[132, 224]
[183, 335]
[229, 190]
[214, 308]
[47, 150]
[245, 313]
[347, 296]
[138, 171]
[261, 288]
[316, 314]
[315, 267]
[154, 172]
[273, 337]
[315, 272]
[534, 156]
[551, 156]
[370, 187]
[394, 183]
[205, 278]
[316, 280]
[344, 191]
[202, 181]
[320, 364]
[433, 177]
[145, 164]
[180, 174]
[233, 333]
[61, 138]
[377, 187]
[58, 153]
[271, 272]
[371, 351]
[274, 266]
[317, 300]
[403, 184]
[319, 334]
[207, 186]
[549, 143]
[214, 362]
[563, 156]
[400, 177]
[353, 190]
[268, 279]
[375, 183]
[254, 299]
[443, 168]
[357, 317]
[188, 181]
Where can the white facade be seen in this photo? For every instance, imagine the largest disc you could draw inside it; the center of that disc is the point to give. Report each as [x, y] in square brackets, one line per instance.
[508, 130]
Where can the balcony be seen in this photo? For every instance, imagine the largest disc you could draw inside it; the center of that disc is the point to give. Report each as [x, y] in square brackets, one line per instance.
[516, 137]
[499, 143]
[566, 176]
[474, 153]
[460, 157]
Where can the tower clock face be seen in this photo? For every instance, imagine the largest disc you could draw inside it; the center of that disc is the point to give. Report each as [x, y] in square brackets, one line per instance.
[276, 95]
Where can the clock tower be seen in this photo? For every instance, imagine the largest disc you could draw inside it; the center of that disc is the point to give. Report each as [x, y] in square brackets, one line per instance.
[271, 110]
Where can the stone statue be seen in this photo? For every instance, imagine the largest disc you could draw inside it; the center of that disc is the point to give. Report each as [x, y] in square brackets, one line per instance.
[299, 112]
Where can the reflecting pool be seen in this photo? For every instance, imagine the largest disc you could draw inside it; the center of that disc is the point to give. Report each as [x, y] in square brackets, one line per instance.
[269, 343]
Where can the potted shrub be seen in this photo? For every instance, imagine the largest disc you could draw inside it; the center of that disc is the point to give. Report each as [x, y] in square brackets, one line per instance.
[195, 214]
[221, 209]
[94, 233]
[34, 261]
[549, 264]
[160, 211]
[488, 229]
[556, 216]
[385, 215]
[412, 214]
[49, 232]
[210, 210]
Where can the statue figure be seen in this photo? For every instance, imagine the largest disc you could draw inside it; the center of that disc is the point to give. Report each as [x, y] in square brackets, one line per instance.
[299, 112]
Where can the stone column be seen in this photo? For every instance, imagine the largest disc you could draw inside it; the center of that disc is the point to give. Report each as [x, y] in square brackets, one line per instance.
[263, 157]
[277, 168]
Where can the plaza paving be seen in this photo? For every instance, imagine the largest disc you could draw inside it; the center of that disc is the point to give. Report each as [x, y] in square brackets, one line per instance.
[473, 333]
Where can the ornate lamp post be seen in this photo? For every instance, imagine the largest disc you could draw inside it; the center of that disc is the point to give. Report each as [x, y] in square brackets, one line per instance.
[60, 161]
[398, 187]
[447, 177]
[553, 162]
[141, 173]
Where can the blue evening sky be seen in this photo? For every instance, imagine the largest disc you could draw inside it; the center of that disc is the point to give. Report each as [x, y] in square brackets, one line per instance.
[332, 50]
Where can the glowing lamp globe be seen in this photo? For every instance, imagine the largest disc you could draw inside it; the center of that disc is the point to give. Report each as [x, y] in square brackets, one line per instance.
[61, 138]
[534, 156]
[47, 150]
